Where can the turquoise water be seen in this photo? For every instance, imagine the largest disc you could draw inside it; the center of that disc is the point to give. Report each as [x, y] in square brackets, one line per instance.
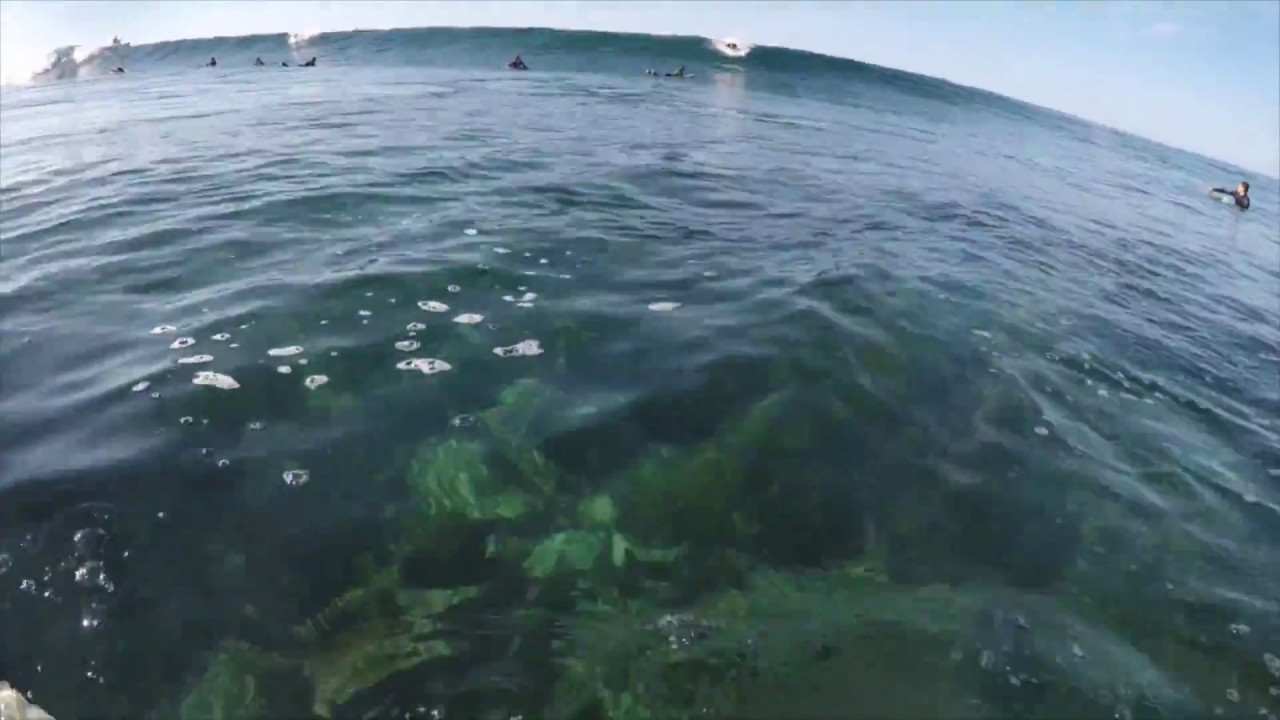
[852, 393]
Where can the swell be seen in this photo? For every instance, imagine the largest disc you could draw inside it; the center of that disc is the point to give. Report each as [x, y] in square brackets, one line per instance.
[544, 49]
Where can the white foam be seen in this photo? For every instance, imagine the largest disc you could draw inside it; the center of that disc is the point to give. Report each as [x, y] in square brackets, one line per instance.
[469, 319]
[710, 274]
[182, 343]
[140, 386]
[982, 334]
[526, 298]
[501, 250]
[222, 337]
[415, 327]
[463, 421]
[163, 329]
[315, 381]
[408, 345]
[213, 379]
[433, 306]
[664, 306]
[256, 425]
[187, 420]
[524, 305]
[364, 313]
[234, 345]
[1042, 430]
[296, 477]
[302, 361]
[454, 289]
[284, 369]
[285, 351]
[524, 348]
[195, 360]
[224, 463]
[426, 366]
[470, 231]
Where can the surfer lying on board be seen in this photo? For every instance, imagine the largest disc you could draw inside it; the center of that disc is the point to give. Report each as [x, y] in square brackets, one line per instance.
[1240, 194]
[309, 63]
[518, 64]
[678, 73]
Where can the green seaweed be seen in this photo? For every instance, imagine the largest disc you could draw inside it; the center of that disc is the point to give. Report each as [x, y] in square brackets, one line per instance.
[393, 631]
[243, 682]
[453, 478]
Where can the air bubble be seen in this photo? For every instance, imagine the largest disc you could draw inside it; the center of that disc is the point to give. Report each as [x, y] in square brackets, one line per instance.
[364, 313]
[415, 327]
[463, 421]
[469, 319]
[163, 329]
[285, 351]
[195, 360]
[454, 289]
[1042, 430]
[182, 343]
[501, 250]
[663, 306]
[315, 381]
[296, 477]
[470, 232]
[140, 386]
[433, 306]
[524, 348]
[224, 463]
[222, 337]
[218, 380]
[1273, 663]
[284, 369]
[408, 345]
[186, 420]
[256, 425]
[426, 366]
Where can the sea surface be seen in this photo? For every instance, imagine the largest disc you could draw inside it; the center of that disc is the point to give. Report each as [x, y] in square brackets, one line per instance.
[799, 388]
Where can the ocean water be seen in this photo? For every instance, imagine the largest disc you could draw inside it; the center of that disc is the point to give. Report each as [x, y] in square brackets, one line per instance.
[800, 388]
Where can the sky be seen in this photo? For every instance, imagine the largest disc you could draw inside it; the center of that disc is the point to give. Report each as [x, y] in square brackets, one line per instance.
[1202, 76]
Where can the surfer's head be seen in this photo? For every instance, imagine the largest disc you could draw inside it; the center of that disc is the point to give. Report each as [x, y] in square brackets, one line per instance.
[1244, 188]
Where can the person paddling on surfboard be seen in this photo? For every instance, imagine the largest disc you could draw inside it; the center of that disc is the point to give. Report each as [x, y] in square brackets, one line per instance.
[1240, 194]
[518, 64]
[678, 73]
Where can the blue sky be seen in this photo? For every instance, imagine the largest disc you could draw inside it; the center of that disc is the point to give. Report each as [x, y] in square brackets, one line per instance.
[1204, 76]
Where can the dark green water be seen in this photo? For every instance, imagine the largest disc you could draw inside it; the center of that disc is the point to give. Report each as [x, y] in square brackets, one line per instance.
[857, 394]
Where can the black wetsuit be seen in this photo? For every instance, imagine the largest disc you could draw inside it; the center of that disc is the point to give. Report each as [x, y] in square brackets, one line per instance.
[1242, 201]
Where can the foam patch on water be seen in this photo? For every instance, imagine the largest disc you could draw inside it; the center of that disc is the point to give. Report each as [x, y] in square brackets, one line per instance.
[284, 369]
[187, 420]
[163, 330]
[524, 305]
[195, 360]
[433, 306]
[470, 232]
[364, 313]
[314, 381]
[663, 306]
[524, 348]
[426, 366]
[222, 337]
[302, 361]
[469, 319]
[140, 386]
[296, 477]
[285, 351]
[217, 380]
[525, 298]
[463, 421]
[501, 250]
[454, 289]
[182, 343]
[415, 327]
[408, 345]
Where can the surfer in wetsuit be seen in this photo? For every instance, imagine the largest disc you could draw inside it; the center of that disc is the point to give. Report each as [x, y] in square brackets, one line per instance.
[258, 63]
[213, 62]
[517, 64]
[678, 73]
[1240, 194]
[309, 63]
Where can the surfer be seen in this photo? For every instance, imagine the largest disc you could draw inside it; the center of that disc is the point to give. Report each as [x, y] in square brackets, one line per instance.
[213, 62]
[115, 40]
[517, 64]
[309, 63]
[284, 64]
[117, 71]
[678, 73]
[1240, 194]
[731, 45]
[258, 63]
